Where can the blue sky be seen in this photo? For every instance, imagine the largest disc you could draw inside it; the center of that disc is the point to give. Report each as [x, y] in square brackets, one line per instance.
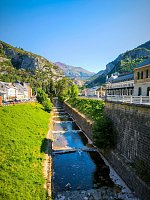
[85, 33]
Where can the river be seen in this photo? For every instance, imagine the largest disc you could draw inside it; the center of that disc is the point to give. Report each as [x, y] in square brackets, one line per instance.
[79, 170]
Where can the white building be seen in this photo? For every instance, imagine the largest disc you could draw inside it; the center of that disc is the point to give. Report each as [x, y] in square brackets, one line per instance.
[9, 91]
[91, 91]
[121, 85]
[142, 80]
[20, 91]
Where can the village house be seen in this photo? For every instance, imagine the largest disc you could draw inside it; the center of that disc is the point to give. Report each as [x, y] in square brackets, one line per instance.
[12, 91]
[28, 90]
[100, 91]
[8, 91]
[90, 91]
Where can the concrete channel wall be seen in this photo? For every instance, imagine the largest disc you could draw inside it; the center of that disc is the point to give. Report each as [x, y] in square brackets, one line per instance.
[80, 119]
[127, 140]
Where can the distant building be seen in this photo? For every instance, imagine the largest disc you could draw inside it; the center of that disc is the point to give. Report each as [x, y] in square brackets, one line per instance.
[28, 89]
[11, 91]
[2, 94]
[142, 80]
[90, 91]
[8, 91]
[100, 91]
[120, 85]
[0, 100]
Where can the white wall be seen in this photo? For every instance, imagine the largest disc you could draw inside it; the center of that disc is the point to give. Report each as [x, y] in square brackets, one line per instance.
[143, 86]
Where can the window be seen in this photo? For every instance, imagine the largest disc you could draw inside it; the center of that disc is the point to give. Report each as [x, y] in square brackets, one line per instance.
[139, 91]
[148, 91]
[141, 75]
[147, 73]
[138, 75]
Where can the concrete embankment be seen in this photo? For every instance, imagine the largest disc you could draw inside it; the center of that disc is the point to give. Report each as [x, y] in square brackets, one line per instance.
[120, 163]
[48, 160]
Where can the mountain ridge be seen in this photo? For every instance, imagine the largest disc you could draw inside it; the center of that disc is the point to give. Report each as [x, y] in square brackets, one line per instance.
[17, 64]
[124, 63]
[74, 72]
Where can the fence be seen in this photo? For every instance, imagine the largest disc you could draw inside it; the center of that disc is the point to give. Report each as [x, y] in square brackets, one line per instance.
[129, 99]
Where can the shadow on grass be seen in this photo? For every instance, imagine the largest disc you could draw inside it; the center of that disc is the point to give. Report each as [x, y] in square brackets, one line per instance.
[46, 146]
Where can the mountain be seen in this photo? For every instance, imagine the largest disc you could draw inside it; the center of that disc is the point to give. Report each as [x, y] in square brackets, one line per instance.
[17, 64]
[74, 72]
[124, 63]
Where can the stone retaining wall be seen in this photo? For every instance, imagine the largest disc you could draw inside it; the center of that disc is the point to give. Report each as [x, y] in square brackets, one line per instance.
[128, 175]
[132, 123]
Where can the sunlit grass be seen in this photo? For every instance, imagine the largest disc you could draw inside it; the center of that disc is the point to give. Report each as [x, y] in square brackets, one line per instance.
[93, 109]
[22, 129]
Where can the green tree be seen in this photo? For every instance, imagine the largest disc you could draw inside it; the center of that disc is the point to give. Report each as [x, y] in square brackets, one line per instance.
[74, 91]
[50, 88]
[47, 105]
[41, 95]
[42, 98]
[62, 88]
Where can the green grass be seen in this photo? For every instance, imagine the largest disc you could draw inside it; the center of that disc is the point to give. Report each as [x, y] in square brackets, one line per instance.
[22, 129]
[93, 109]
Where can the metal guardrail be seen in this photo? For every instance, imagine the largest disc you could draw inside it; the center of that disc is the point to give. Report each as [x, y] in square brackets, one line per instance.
[122, 98]
[129, 99]
[19, 102]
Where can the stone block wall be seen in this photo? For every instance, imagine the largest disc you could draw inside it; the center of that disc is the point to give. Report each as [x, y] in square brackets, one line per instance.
[132, 123]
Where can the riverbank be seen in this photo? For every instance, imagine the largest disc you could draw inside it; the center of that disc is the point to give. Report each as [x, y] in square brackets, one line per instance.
[23, 131]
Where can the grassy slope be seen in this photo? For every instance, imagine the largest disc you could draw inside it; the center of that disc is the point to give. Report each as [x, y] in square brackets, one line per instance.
[93, 109]
[22, 127]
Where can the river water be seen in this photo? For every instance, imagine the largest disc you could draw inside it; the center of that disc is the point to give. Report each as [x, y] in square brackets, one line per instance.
[79, 171]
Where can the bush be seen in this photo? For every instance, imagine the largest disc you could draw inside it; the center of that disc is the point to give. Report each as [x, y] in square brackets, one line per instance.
[47, 105]
[103, 133]
[41, 95]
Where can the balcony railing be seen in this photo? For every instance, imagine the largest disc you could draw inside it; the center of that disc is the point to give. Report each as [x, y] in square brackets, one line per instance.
[129, 99]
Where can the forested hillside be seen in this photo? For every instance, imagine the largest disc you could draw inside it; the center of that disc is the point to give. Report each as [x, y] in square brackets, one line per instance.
[124, 63]
[19, 65]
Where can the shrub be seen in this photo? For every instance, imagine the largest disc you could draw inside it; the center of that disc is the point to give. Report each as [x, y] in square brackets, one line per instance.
[47, 105]
[41, 95]
[103, 133]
